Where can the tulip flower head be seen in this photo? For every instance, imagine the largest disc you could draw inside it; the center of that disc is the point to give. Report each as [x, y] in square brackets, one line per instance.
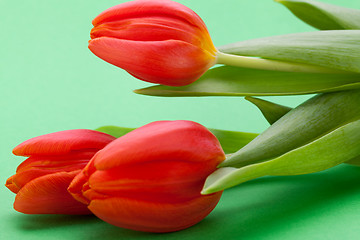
[158, 41]
[151, 178]
[41, 181]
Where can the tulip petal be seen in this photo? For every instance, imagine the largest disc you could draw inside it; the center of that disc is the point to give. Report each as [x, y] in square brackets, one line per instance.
[55, 161]
[153, 217]
[80, 182]
[11, 185]
[52, 162]
[76, 186]
[155, 41]
[170, 62]
[165, 181]
[149, 8]
[23, 177]
[151, 29]
[63, 142]
[162, 141]
[48, 195]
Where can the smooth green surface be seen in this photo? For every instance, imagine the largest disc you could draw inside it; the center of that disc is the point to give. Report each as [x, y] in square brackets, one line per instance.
[317, 155]
[338, 49]
[50, 81]
[235, 81]
[115, 130]
[303, 124]
[297, 207]
[322, 15]
[271, 111]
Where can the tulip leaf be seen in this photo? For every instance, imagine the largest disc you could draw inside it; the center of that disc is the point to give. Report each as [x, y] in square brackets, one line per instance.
[115, 131]
[337, 49]
[303, 124]
[235, 81]
[355, 161]
[230, 141]
[322, 15]
[271, 111]
[318, 155]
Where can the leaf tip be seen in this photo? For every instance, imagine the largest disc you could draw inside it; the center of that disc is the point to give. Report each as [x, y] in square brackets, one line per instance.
[138, 91]
[204, 192]
[156, 90]
[209, 189]
[145, 91]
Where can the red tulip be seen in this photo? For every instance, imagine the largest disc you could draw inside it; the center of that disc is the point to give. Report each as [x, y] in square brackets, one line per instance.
[41, 181]
[150, 179]
[158, 41]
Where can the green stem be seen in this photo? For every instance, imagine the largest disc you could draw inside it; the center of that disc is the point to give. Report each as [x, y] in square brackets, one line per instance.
[268, 64]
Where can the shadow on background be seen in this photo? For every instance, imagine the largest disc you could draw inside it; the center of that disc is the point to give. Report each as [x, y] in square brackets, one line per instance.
[251, 210]
[38, 222]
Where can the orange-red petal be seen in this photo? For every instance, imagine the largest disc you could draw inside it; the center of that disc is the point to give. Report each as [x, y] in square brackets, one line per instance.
[150, 29]
[158, 181]
[151, 216]
[149, 8]
[80, 182]
[63, 142]
[163, 141]
[20, 179]
[11, 185]
[150, 179]
[48, 195]
[55, 161]
[170, 62]
[76, 188]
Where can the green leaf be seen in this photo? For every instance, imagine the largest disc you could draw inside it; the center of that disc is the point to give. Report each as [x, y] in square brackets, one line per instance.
[303, 124]
[115, 131]
[318, 155]
[322, 15]
[230, 141]
[271, 111]
[235, 81]
[337, 49]
[355, 161]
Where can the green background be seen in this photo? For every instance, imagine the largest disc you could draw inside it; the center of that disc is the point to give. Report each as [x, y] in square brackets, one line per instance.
[50, 82]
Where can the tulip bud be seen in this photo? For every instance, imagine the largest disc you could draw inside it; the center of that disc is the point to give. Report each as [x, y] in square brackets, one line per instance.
[41, 181]
[150, 179]
[158, 41]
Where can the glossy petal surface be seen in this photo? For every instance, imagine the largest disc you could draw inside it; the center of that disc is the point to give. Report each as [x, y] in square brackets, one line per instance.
[154, 217]
[161, 141]
[41, 181]
[156, 41]
[63, 142]
[150, 179]
[48, 195]
[146, 8]
[169, 62]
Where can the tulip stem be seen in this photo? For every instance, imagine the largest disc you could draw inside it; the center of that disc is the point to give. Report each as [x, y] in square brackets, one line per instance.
[268, 64]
